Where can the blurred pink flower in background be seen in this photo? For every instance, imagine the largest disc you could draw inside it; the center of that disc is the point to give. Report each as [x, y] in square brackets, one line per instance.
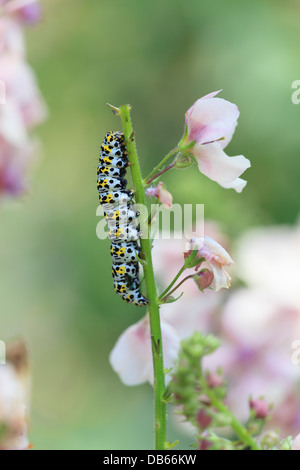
[26, 11]
[24, 107]
[211, 122]
[269, 260]
[260, 408]
[14, 398]
[12, 129]
[131, 356]
[255, 354]
[22, 90]
[261, 322]
[257, 324]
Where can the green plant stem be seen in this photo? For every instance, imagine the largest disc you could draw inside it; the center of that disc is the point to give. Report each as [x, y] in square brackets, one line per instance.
[172, 283]
[237, 427]
[155, 170]
[178, 285]
[158, 366]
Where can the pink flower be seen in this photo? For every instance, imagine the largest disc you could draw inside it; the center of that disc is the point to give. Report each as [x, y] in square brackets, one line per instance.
[217, 257]
[211, 119]
[204, 279]
[211, 122]
[162, 194]
[131, 357]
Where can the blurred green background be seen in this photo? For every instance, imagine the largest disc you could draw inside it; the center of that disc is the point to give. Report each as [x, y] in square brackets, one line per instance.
[160, 56]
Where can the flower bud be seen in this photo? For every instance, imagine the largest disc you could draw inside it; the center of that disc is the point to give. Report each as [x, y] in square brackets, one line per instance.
[259, 407]
[214, 380]
[204, 444]
[204, 278]
[203, 419]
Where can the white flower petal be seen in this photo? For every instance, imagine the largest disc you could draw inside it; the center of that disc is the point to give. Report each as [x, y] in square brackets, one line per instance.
[22, 90]
[131, 356]
[217, 252]
[237, 184]
[269, 258]
[216, 165]
[12, 128]
[221, 277]
[11, 37]
[296, 443]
